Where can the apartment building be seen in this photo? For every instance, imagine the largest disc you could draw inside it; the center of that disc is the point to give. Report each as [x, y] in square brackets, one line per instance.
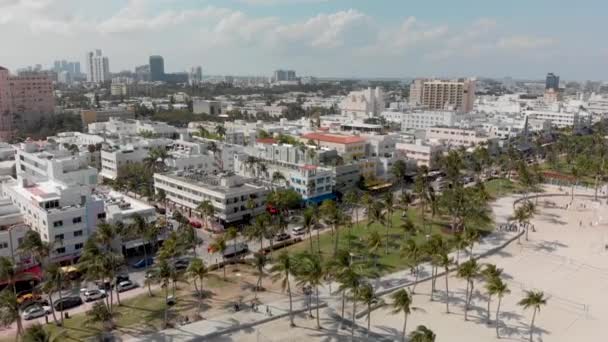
[576, 119]
[457, 95]
[349, 147]
[363, 104]
[89, 116]
[125, 126]
[127, 150]
[12, 231]
[420, 153]
[453, 136]
[228, 193]
[421, 120]
[24, 100]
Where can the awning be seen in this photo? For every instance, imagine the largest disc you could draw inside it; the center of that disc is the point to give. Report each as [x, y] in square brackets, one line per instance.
[320, 199]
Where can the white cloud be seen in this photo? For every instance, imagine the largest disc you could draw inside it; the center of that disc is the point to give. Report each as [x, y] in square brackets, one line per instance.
[280, 2]
[518, 43]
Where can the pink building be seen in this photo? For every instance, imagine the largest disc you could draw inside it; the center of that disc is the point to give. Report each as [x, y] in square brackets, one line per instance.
[23, 101]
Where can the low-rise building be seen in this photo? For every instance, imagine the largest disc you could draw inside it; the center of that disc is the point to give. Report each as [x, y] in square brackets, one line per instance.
[421, 120]
[12, 232]
[349, 147]
[453, 136]
[577, 119]
[89, 116]
[200, 106]
[228, 193]
[127, 151]
[422, 154]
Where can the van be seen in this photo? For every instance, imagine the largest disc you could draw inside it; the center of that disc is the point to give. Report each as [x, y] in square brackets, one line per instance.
[297, 231]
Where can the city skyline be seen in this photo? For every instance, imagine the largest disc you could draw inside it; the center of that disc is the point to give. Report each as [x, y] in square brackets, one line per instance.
[334, 38]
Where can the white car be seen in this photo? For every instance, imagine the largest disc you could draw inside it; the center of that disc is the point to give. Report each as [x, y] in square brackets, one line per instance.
[92, 295]
[35, 311]
[297, 231]
[125, 286]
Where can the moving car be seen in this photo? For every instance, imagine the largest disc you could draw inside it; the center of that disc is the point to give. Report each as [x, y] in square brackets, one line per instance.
[125, 286]
[67, 303]
[297, 231]
[35, 311]
[92, 295]
[143, 263]
[236, 250]
[181, 264]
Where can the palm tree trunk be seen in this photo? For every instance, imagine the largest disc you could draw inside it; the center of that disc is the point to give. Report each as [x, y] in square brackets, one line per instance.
[337, 238]
[447, 292]
[149, 289]
[466, 301]
[166, 304]
[343, 304]
[352, 327]
[433, 277]
[404, 327]
[317, 299]
[489, 300]
[497, 316]
[53, 308]
[387, 235]
[118, 295]
[532, 324]
[318, 241]
[145, 256]
[291, 323]
[61, 300]
[224, 265]
[458, 256]
[369, 318]
[310, 238]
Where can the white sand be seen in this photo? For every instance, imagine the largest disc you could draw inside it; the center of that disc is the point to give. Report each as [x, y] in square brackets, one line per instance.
[568, 263]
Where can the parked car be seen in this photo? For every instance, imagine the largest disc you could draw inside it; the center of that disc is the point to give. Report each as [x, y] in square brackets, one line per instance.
[143, 263]
[297, 231]
[282, 237]
[125, 286]
[181, 264]
[159, 210]
[27, 297]
[35, 311]
[67, 303]
[92, 295]
[171, 300]
[196, 224]
[236, 250]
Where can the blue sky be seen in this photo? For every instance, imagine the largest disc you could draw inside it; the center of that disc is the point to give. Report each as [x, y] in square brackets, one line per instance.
[363, 38]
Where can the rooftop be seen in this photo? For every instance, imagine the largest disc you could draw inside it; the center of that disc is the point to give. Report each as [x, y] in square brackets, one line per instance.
[334, 138]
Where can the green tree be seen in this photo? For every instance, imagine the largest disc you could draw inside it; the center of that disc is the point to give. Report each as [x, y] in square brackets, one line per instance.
[496, 287]
[399, 170]
[333, 216]
[198, 271]
[468, 271]
[206, 210]
[9, 310]
[37, 333]
[219, 246]
[534, 300]
[414, 253]
[259, 262]
[389, 206]
[445, 261]
[310, 272]
[281, 270]
[99, 313]
[368, 297]
[422, 334]
[490, 273]
[402, 303]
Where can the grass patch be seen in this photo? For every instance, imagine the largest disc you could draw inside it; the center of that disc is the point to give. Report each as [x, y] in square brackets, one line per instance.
[393, 261]
[501, 187]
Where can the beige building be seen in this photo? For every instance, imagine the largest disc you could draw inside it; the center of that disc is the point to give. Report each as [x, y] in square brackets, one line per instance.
[348, 147]
[452, 136]
[458, 95]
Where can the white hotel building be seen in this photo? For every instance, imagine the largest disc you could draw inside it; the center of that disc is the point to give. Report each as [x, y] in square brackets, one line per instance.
[421, 120]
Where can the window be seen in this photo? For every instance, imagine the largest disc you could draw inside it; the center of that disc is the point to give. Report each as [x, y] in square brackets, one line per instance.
[78, 233]
[58, 223]
[77, 220]
[78, 246]
[60, 250]
[101, 216]
[59, 237]
[3, 245]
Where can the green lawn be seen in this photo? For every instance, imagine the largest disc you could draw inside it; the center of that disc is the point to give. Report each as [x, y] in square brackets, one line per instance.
[501, 187]
[393, 260]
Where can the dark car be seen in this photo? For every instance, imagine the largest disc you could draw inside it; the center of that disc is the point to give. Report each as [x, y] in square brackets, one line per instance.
[143, 263]
[236, 250]
[67, 303]
[282, 237]
[122, 277]
[181, 264]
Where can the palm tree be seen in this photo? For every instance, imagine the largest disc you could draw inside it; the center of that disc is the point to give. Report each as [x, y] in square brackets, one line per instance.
[368, 296]
[445, 261]
[422, 334]
[373, 242]
[311, 272]
[259, 262]
[309, 221]
[281, 270]
[220, 130]
[277, 177]
[498, 288]
[198, 271]
[164, 275]
[408, 227]
[258, 230]
[138, 228]
[468, 270]
[232, 234]
[9, 310]
[534, 300]
[351, 281]
[33, 245]
[471, 236]
[37, 333]
[99, 313]
[368, 201]
[335, 267]
[333, 216]
[402, 302]
[460, 243]
[490, 273]
[389, 206]
[522, 215]
[206, 210]
[576, 174]
[414, 254]
[399, 170]
[219, 246]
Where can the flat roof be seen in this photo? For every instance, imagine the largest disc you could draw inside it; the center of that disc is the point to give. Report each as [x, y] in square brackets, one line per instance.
[334, 138]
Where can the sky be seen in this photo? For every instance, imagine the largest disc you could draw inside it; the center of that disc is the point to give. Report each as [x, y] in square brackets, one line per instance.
[323, 38]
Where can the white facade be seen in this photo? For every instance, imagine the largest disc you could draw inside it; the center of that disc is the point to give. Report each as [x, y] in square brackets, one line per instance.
[98, 67]
[117, 126]
[452, 136]
[422, 154]
[421, 120]
[363, 104]
[561, 119]
[12, 231]
[127, 151]
[228, 194]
